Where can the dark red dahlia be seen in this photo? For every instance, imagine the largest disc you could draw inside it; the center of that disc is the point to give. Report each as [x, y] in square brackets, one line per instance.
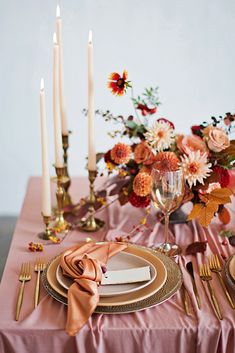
[223, 175]
[139, 201]
[196, 130]
[167, 121]
[107, 157]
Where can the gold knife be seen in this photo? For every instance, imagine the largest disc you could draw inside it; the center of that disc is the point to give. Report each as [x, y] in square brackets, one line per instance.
[189, 267]
[186, 300]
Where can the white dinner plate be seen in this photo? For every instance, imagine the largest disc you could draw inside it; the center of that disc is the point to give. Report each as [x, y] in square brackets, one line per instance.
[121, 261]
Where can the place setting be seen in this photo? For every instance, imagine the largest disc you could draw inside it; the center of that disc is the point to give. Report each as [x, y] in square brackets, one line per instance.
[142, 242]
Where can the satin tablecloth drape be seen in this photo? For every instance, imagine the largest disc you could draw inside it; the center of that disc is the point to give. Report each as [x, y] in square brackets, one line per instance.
[164, 328]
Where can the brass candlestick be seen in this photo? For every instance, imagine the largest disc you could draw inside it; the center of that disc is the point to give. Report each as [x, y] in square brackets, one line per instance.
[91, 224]
[67, 197]
[60, 223]
[48, 232]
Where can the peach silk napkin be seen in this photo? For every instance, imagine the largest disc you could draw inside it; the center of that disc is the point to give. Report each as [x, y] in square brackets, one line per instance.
[84, 264]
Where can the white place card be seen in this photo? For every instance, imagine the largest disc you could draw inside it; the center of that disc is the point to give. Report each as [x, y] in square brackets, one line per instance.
[131, 275]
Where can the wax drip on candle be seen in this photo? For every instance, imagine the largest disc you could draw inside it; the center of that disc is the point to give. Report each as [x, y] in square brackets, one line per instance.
[42, 84]
[55, 38]
[58, 11]
[90, 37]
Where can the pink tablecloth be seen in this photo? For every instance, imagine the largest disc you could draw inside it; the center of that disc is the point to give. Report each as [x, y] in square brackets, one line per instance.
[164, 328]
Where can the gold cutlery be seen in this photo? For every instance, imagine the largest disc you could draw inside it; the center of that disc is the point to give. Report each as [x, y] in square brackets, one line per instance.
[24, 276]
[186, 300]
[205, 274]
[216, 267]
[39, 267]
[189, 267]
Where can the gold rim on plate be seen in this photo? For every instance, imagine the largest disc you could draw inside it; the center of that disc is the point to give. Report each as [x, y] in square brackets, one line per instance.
[227, 272]
[169, 287]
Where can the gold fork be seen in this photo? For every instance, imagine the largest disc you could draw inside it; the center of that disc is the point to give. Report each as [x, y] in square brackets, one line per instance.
[205, 274]
[216, 267]
[39, 267]
[24, 276]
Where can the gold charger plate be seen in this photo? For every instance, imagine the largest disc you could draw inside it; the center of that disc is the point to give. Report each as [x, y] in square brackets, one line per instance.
[149, 297]
[128, 298]
[227, 268]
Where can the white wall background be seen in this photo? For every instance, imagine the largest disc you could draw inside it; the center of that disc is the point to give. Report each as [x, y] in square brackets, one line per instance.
[185, 47]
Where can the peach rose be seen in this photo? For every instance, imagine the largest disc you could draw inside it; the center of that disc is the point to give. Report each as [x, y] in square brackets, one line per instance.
[143, 154]
[191, 143]
[216, 138]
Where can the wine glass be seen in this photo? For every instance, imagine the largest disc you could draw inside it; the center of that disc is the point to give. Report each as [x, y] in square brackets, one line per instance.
[167, 194]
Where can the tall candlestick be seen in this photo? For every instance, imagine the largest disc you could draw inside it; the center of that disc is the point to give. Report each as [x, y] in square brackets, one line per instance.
[61, 72]
[57, 120]
[91, 135]
[46, 189]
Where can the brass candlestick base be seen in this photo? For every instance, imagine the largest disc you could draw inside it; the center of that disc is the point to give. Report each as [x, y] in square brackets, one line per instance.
[60, 224]
[48, 232]
[91, 224]
[67, 197]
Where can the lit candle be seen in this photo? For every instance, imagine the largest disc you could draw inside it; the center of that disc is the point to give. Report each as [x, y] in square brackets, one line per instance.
[57, 120]
[46, 188]
[91, 135]
[61, 72]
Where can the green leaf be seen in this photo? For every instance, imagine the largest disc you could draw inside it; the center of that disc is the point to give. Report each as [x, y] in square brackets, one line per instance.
[226, 233]
[131, 124]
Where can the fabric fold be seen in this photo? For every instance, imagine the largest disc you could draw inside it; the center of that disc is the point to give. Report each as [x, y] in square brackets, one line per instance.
[83, 263]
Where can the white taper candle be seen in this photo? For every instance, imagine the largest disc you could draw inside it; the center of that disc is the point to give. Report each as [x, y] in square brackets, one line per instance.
[63, 115]
[46, 187]
[57, 120]
[91, 134]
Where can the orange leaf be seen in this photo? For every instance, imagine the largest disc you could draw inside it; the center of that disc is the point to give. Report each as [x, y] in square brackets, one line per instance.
[224, 215]
[197, 207]
[220, 196]
[204, 212]
[207, 213]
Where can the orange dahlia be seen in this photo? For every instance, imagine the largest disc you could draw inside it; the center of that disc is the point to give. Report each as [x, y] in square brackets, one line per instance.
[142, 184]
[118, 84]
[166, 161]
[121, 153]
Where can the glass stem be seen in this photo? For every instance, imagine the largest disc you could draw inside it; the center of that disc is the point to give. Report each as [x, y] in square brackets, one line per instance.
[166, 230]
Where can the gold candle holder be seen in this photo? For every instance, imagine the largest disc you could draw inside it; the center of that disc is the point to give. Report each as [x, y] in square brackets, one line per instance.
[67, 197]
[60, 224]
[91, 224]
[48, 232]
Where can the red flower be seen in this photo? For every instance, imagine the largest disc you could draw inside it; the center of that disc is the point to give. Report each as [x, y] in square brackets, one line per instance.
[139, 201]
[223, 175]
[145, 110]
[117, 84]
[196, 130]
[167, 121]
[107, 157]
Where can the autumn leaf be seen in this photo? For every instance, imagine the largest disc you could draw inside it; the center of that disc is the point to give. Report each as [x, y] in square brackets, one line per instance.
[224, 215]
[207, 213]
[220, 196]
[204, 212]
[197, 207]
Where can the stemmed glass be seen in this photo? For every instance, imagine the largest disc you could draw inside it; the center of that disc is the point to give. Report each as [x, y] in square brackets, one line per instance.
[167, 194]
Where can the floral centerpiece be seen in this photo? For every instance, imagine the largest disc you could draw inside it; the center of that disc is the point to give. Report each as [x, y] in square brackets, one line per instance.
[206, 155]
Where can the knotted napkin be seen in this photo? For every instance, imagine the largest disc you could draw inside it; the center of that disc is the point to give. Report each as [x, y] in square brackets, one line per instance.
[84, 264]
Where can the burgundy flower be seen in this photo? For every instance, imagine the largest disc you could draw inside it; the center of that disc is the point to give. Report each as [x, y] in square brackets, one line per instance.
[139, 201]
[223, 175]
[196, 130]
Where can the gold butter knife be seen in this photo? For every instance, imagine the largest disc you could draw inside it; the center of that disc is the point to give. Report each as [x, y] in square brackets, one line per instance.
[189, 267]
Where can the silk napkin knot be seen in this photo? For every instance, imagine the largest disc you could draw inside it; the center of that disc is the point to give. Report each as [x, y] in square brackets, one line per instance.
[84, 264]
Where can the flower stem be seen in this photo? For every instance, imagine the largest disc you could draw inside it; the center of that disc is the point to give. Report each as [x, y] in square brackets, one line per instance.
[136, 113]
